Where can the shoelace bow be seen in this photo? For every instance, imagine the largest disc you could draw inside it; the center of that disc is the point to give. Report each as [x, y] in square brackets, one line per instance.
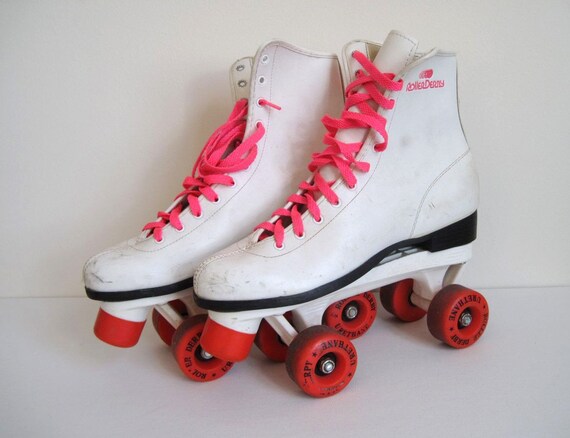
[213, 166]
[364, 93]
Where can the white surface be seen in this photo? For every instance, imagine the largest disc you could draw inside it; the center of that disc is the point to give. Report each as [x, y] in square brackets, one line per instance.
[105, 105]
[58, 380]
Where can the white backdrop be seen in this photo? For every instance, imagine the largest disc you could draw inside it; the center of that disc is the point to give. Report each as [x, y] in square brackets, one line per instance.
[105, 105]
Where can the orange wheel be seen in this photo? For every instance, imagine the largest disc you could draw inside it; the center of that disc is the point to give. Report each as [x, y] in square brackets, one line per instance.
[270, 343]
[395, 298]
[352, 317]
[195, 363]
[164, 329]
[321, 361]
[458, 316]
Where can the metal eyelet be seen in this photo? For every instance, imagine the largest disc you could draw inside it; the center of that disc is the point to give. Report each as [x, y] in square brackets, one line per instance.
[278, 248]
[240, 67]
[261, 80]
[242, 83]
[265, 59]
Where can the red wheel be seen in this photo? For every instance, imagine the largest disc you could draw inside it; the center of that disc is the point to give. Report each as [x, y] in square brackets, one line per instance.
[270, 343]
[162, 326]
[321, 361]
[352, 317]
[395, 298]
[458, 316]
[195, 363]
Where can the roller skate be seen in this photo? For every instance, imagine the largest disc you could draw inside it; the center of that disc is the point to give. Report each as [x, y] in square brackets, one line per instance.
[252, 159]
[392, 204]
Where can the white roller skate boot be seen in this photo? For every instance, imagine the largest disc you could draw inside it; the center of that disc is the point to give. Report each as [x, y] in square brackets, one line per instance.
[255, 157]
[392, 202]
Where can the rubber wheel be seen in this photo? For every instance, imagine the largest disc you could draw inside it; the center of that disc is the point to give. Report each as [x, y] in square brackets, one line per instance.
[164, 329]
[190, 356]
[270, 343]
[458, 316]
[395, 298]
[310, 353]
[352, 317]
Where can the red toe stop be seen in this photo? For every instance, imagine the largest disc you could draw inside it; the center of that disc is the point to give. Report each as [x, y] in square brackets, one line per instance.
[116, 331]
[225, 343]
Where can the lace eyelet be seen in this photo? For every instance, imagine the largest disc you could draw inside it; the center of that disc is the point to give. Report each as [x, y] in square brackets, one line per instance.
[199, 216]
[242, 83]
[261, 80]
[265, 59]
[180, 230]
[233, 184]
[337, 204]
[320, 221]
[380, 147]
[301, 237]
[216, 201]
[278, 248]
[158, 242]
[240, 67]
[257, 123]
[351, 188]
[258, 102]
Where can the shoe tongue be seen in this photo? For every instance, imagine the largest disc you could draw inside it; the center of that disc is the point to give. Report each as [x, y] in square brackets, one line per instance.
[396, 52]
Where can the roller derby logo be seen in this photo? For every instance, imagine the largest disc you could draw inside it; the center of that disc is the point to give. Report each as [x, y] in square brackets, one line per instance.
[425, 82]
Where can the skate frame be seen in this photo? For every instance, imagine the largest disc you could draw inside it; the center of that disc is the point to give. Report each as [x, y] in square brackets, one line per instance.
[137, 310]
[430, 271]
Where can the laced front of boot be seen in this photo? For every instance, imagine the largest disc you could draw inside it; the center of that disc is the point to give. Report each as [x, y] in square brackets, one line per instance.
[225, 152]
[363, 98]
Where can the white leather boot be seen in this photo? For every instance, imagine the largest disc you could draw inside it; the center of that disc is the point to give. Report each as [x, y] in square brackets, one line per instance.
[252, 160]
[392, 202]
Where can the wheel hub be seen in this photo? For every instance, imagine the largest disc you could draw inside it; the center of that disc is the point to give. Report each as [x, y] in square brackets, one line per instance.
[351, 312]
[205, 355]
[327, 366]
[465, 319]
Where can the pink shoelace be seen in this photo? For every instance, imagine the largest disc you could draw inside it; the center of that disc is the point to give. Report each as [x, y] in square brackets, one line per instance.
[225, 152]
[364, 93]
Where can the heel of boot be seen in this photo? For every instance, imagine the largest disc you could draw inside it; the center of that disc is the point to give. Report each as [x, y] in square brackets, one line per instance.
[117, 331]
[457, 234]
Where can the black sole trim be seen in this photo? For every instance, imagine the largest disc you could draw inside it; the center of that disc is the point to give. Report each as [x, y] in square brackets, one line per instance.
[457, 234]
[137, 294]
